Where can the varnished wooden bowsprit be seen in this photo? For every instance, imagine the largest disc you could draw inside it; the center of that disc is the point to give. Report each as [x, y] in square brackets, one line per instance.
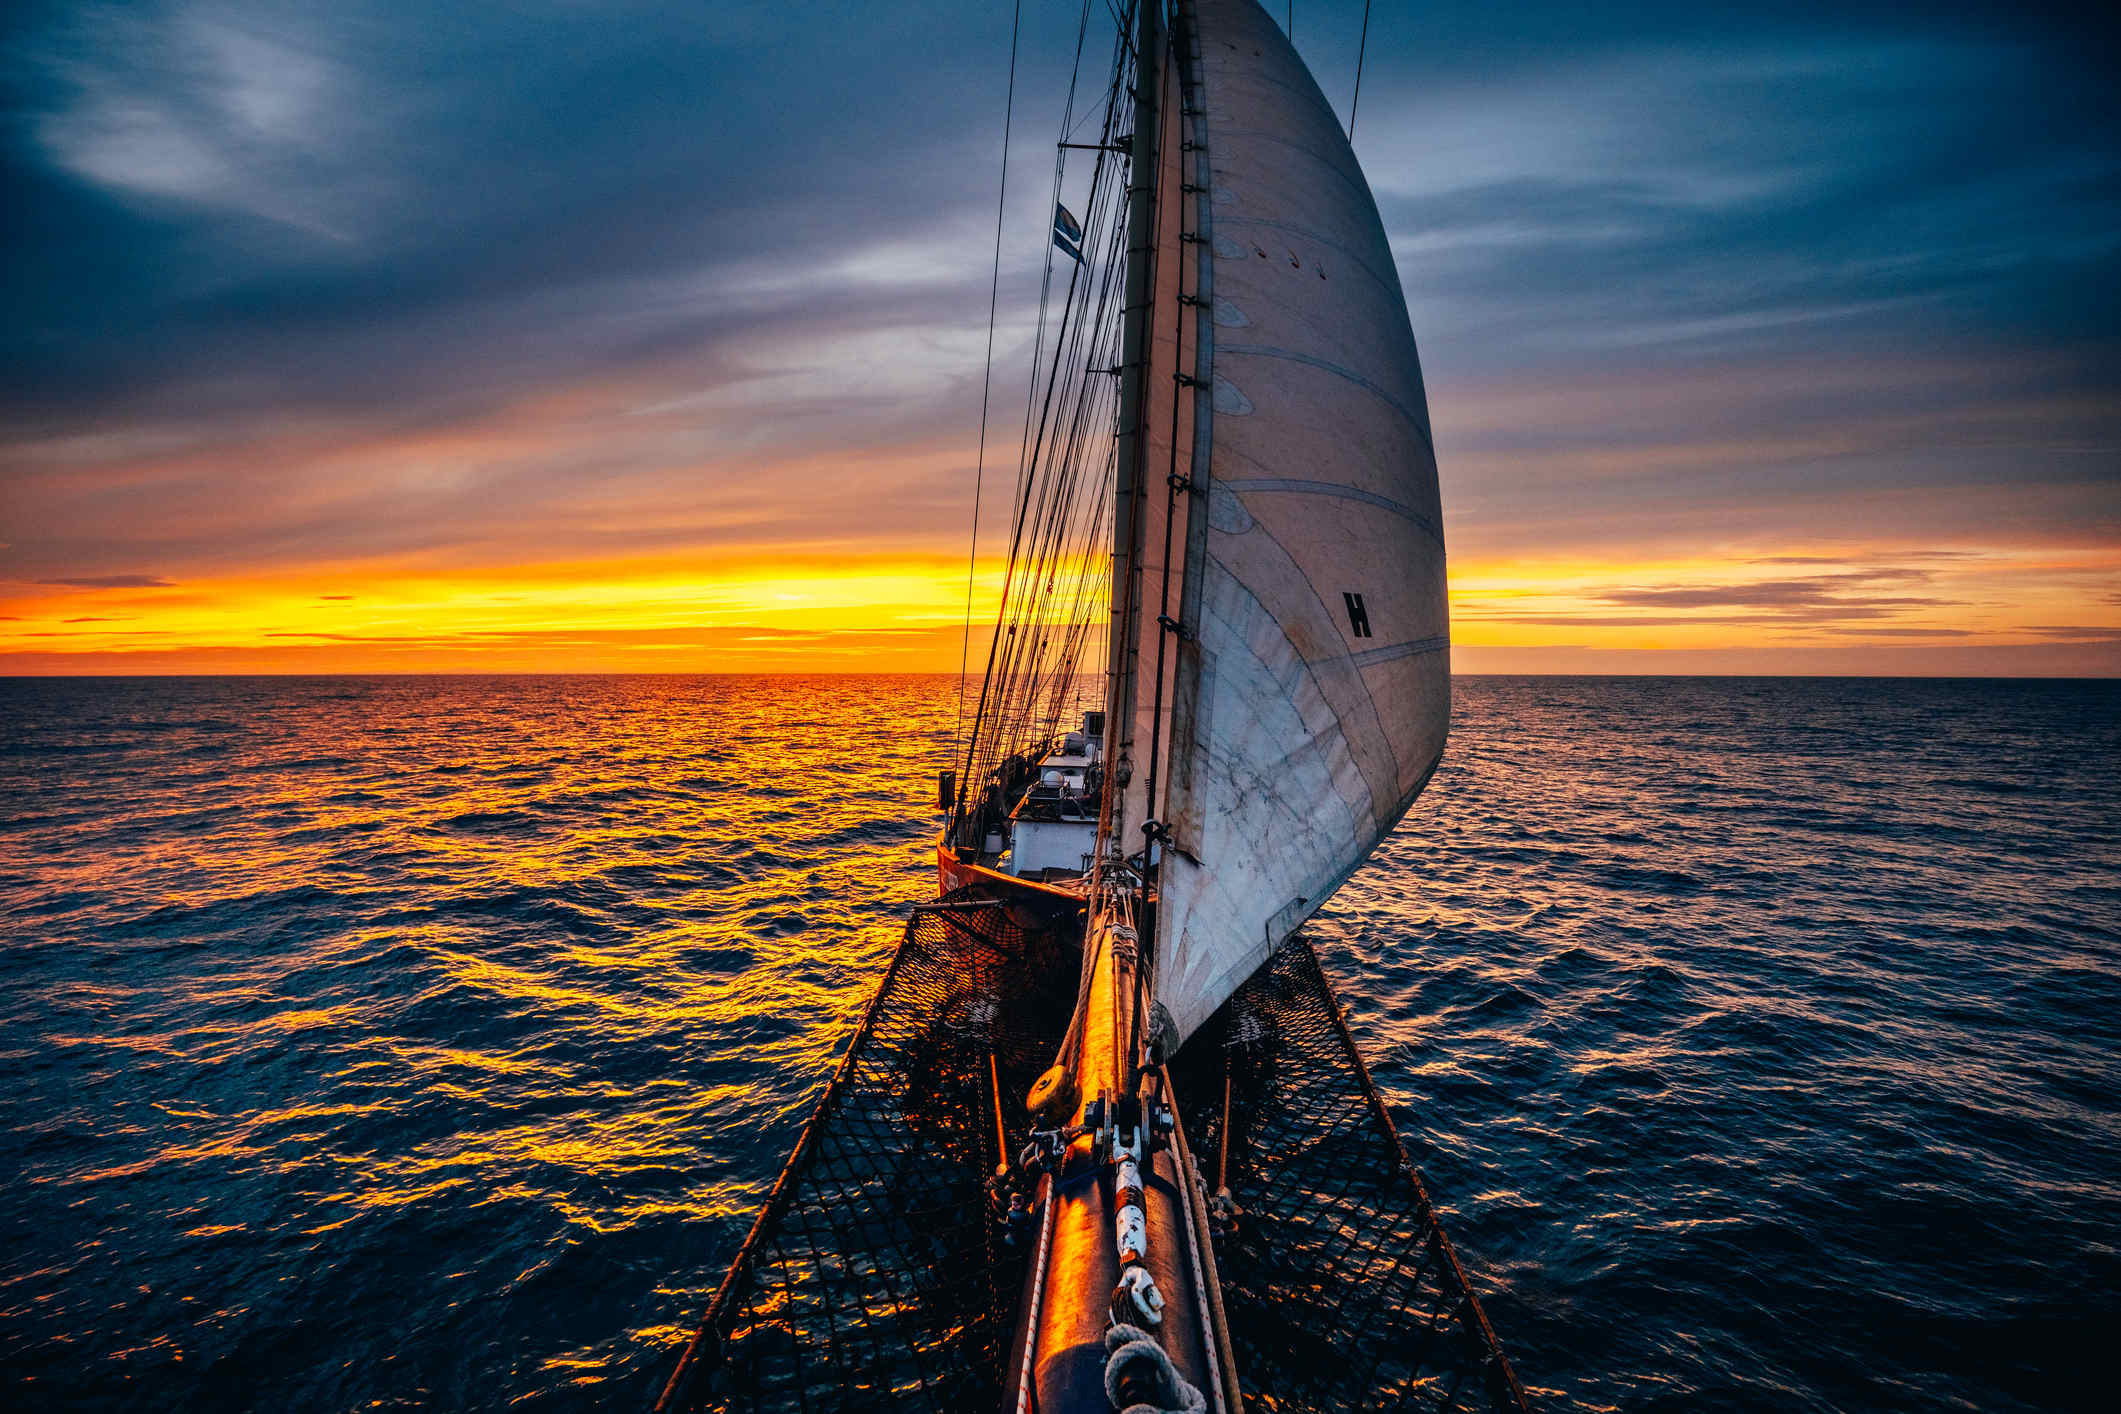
[1074, 1293]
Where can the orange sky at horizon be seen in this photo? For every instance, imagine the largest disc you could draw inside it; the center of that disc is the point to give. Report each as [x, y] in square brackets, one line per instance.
[620, 524]
[1821, 608]
[1761, 351]
[662, 522]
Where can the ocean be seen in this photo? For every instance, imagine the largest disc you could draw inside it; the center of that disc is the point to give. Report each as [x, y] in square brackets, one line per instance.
[429, 1042]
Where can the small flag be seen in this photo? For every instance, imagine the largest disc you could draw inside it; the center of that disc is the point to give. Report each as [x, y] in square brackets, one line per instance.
[1068, 233]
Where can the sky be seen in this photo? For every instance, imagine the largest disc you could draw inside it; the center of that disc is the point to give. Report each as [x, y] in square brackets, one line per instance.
[543, 336]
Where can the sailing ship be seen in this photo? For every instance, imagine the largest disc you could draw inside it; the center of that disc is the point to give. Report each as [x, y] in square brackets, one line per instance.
[1219, 676]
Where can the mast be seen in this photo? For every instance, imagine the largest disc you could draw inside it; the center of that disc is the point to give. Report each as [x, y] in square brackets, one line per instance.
[1136, 337]
[1115, 1301]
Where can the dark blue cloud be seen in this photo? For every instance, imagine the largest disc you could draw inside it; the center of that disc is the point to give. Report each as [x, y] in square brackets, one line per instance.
[229, 181]
[1765, 193]
[225, 213]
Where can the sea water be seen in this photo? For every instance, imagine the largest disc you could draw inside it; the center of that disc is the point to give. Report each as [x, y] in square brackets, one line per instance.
[393, 1042]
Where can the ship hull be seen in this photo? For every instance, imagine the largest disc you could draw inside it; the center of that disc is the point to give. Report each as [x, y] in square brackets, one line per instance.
[954, 872]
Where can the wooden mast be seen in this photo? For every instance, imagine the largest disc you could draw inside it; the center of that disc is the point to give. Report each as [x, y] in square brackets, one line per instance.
[1136, 344]
[1117, 1239]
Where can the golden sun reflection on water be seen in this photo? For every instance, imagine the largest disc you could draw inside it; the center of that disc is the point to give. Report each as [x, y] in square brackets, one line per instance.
[433, 1041]
[409, 972]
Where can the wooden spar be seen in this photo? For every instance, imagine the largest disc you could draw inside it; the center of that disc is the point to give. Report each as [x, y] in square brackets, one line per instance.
[1123, 1228]
[1225, 1359]
[1001, 1131]
[1501, 1370]
[1135, 345]
[702, 1350]
[1069, 1292]
[1222, 1151]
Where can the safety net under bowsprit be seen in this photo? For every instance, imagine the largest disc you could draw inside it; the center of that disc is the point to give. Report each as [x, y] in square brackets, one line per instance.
[877, 1275]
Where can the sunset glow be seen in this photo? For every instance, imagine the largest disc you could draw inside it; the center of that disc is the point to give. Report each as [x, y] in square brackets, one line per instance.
[872, 613]
[795, 614]
[1747, 349]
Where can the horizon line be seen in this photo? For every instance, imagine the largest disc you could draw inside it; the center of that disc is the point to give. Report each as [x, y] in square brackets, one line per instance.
[906, 673]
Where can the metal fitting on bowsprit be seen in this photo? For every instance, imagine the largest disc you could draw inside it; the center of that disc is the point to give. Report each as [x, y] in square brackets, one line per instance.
[1136, 1301]
[1130, 1224]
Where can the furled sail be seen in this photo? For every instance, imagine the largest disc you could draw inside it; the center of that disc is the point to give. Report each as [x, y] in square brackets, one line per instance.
[1309, 658]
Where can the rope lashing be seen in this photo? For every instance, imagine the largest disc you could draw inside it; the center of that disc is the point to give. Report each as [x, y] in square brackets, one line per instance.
[1140, 1378]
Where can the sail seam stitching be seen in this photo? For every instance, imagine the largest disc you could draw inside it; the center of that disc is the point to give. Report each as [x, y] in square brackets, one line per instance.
[1353, 257]
[1427, 523]
[1325, 161]
[1310, 669]
[1338, 371]
[1399, 650]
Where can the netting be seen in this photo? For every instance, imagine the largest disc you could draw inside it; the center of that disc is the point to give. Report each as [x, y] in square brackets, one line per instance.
[875, 1275]
[1340, 1290]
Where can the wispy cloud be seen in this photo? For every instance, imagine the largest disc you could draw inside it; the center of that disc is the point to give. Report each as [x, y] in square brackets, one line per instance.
[2077, 633]
[1816, 599]
[225, 111]
[1825, 597]
[113, 581]
[1872, 631]
[1793, 292]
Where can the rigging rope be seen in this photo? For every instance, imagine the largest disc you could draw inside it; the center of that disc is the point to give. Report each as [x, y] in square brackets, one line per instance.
[1361, 48]
[1047, 610]
[994, 289]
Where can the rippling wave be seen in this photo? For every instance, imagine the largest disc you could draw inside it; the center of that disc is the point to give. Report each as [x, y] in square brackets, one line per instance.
[390, 1042]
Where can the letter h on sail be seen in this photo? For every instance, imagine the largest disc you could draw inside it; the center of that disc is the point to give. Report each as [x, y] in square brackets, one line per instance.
[1358, 617]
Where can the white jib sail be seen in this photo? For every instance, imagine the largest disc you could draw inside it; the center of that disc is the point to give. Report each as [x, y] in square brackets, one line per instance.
[1311, 689]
